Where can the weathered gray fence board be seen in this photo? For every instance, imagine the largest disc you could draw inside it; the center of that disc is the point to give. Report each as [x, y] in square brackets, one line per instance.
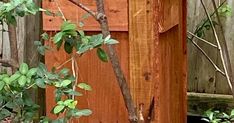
[202, 75]
[5, 46]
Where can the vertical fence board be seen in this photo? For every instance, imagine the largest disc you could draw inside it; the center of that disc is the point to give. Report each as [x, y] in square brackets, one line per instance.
[171, 95]
[141, 51]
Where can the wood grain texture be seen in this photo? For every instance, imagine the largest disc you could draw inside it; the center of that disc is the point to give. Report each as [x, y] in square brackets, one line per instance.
[105, 100]
[141, 53]
[116, 11]
[172, 72]
[169, 15]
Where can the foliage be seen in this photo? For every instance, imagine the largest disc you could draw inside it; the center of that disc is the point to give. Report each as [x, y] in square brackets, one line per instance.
[224, 11]
[9, 11]
[218, 117]
[15, 99]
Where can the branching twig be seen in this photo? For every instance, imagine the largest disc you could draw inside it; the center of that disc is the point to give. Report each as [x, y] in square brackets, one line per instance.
[63, 16]
[116, 65]
[207, 20]
[220, 49]
[208, 58]
[224, 49]
[102, 19]
[92, 13]
[203, 40]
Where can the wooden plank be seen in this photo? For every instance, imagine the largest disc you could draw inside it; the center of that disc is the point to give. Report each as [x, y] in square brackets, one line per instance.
[116, 10]
[105, 99]
[21, 39]
[169, 15]
[198, 103]
[1, 39]
[6, 46]
[141, 51]
[172, 72]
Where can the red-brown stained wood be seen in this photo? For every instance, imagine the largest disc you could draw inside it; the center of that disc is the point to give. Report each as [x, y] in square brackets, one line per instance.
[154, 61]
[105, 100]
[171, 106]
[116, 11]
[169, 14]
[141, 54]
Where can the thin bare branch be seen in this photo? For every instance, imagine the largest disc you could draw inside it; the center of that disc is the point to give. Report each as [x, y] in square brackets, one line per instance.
[207, 20]
[203, 40]
[208, 58]
[79, 4]
[63, 16]
[230, 83]
[102, 19]
[223, 44]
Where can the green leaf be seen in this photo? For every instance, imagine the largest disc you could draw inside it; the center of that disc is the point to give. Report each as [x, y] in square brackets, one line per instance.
[66, 26]
[232, 112]
[37, 43]
[2, 85]
[6, 80]
[45, 36]
[96, 40]
[81, 32]
[72, 92]
[111, 41]
[15, 76]
[68, 101]
[40, 83]
[58, 109]
[64, 72]
[58, 37]
[20, 12]
[23, 68]
[58, 95]
[72, 105]
[84, 112]
[11, 19]
[107, 38]
[84, 86]
[22, 80]
[65, 83]
[102, 55]
[60, 103]
[41, 50]
[32, 72]
[81, 24]
[68, 48]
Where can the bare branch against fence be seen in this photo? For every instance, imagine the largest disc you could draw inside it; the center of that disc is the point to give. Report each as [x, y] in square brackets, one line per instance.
[223, 53]
[102, 19]
[207, 56]
[203, 40]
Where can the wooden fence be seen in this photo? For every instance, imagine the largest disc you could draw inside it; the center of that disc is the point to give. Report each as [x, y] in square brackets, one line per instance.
[202, 76]
[152, 53]
[207, 88]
